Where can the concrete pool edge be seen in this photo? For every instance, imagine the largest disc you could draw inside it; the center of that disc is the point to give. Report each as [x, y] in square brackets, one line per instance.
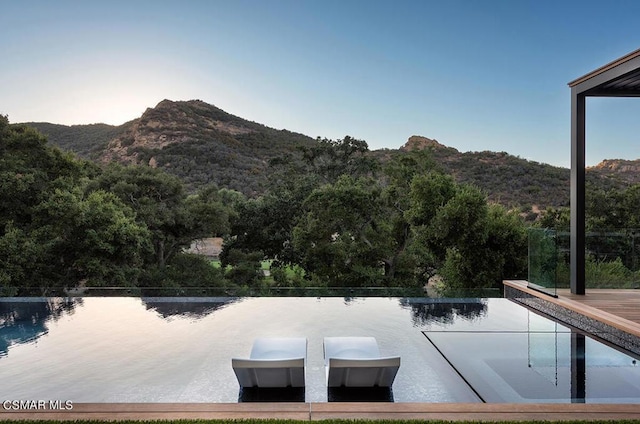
[323, 411]
[607, 326]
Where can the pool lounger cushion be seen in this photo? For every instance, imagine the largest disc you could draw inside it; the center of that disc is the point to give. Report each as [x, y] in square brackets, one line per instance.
[273, 362]
[356, 362]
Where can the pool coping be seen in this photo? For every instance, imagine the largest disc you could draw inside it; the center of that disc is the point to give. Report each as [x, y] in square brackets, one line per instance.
[323, 411]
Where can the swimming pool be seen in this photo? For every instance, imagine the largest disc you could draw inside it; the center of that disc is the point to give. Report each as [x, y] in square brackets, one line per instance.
[180, 349]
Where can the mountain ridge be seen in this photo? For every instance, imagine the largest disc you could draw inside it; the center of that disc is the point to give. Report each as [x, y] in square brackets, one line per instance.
[192, 139]
[625, 169]
[203, 144]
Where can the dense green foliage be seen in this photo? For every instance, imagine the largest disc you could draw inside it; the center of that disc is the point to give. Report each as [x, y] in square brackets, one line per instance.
[334, 216]
[65, 223]
[328, 213]
[52, 234]
[347, 222]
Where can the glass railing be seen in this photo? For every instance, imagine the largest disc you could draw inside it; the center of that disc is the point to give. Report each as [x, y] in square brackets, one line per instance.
[612, 259]
[543, 260]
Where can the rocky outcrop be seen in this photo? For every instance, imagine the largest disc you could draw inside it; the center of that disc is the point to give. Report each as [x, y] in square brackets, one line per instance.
[621, 169]
[417, 142]
[170, 123]
[619, 165]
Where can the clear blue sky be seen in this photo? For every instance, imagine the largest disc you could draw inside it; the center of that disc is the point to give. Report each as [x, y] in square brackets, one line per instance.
[475, 74]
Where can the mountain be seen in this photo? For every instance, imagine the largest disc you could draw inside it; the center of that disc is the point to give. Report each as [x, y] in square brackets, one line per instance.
[87, 141]
[191, 139]
[505, 178]
[203, 144]
[516, 182]
[418, 142]
[626, 171]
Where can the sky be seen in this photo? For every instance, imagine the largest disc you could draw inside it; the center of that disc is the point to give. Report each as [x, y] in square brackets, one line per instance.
[473, 74]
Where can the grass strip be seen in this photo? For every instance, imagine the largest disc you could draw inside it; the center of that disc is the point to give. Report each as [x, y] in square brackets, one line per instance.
[336, 421]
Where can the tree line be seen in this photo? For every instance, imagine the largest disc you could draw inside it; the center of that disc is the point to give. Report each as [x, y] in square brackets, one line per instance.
[66, 223]
[333, 216]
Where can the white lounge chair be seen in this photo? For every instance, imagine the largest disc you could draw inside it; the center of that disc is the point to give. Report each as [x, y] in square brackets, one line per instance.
[273, 362]
[356, 362]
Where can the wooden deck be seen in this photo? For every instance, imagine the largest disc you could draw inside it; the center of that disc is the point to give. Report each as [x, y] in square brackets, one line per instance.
[617, 308]
[323, 411]
[619, 303]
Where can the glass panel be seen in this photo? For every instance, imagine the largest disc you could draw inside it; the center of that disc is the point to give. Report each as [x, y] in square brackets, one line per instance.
[543, 260]
[613, 259]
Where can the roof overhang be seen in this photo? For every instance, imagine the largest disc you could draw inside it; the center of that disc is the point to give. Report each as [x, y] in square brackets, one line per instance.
[620, 78]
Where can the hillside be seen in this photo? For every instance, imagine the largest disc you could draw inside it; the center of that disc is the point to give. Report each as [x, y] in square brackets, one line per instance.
[202, 144]
[87, 141]
[513, 181]
[191, 139]
[619, 170]
[507, 179]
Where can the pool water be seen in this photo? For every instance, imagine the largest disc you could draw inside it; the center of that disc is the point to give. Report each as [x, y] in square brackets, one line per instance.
[180, 349]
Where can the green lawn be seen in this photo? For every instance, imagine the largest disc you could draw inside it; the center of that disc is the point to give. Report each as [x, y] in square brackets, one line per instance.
[264, 264]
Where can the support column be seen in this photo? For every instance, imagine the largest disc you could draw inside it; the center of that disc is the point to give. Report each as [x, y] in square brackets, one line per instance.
[577, 192]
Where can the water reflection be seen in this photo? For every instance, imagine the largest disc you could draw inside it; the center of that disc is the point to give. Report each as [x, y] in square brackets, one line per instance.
[26, 321]
[196, 308]
[578, 368]
[539, 364]
[430, 311]
[360, 394]
[256, 394]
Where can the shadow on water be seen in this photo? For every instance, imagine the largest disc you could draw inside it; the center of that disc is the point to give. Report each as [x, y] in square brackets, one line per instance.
[26, 321]
[186, 307]
[360, 394]
[256, 394]
[429, 311]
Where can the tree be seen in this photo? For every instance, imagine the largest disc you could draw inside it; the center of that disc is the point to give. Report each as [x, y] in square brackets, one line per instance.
[338, 235]
[74, 240]
[427, 194]
[52, 236]
[243, 268]
[210, 216]
[555, 218]
[473, 244]
[265, 225]
[161, 204]
[405, 262]
[30, 170]
[20, 254]
[329, 159]
[93, 238]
